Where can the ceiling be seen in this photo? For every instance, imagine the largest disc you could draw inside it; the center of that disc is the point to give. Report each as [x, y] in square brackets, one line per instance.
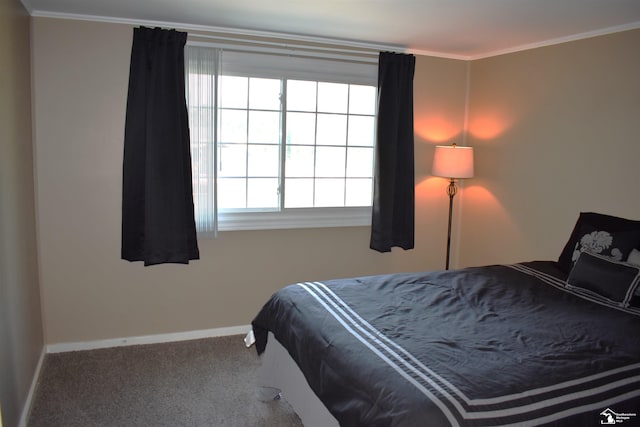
[464, 29]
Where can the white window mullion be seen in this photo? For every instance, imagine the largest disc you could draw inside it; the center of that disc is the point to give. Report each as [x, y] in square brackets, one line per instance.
[246, 157]
[346, 146]
[315, 147]
[282, 188]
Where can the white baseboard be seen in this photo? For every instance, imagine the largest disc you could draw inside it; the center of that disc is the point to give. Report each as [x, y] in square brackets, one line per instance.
[148, 339]
[26, 409]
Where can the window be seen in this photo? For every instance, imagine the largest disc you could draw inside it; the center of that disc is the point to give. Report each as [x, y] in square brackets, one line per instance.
[280, 142]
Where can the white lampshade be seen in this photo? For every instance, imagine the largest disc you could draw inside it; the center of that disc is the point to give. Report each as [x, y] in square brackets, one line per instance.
[452, 161]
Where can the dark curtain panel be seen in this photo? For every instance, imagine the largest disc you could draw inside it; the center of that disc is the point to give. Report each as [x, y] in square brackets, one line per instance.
[393, 195]
[158, 224]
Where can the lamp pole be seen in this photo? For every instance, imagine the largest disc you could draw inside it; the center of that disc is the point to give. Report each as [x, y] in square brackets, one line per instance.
[452, 189]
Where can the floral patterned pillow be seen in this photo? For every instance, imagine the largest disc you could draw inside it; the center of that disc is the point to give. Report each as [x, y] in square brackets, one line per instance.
[605, 235]
[598, 242]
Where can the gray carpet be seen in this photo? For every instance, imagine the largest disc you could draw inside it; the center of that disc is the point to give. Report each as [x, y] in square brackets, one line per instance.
[207, 382]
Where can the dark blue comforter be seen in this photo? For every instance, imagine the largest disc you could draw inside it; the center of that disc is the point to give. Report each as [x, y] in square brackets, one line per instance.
[484, 346]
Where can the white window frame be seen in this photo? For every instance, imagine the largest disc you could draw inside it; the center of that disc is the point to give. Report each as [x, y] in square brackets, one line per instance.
[295, 218]
[249, 61]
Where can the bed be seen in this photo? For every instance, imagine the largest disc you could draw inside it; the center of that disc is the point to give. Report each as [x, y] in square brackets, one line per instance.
[533, 343]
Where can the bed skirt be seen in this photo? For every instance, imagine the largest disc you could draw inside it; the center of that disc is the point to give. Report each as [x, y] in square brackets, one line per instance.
[279, 371]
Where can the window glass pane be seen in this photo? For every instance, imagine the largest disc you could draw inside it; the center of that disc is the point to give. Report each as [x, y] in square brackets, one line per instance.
[262, 193]
[233, 126]
[232, 193]
[264, 161]
[264, 127]
[329, 192]
[233, 91]
[232, 160]
[359, 162]
[332, 129]
[362, 100]
[299, 162]
[332, 97]
[361, 130]
[301, 128]
[330, 162]
[301, 95]
[359, 192]
[264, 94]
[298, 193]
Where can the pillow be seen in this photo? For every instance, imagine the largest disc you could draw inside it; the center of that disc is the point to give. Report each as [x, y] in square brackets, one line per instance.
[603, 277]
[634, 257]
[605, 235]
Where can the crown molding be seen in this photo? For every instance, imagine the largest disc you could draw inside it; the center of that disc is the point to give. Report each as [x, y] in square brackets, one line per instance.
[559, 40]
[215, 29]
[324, 40]
[27, 6]
[246, 33]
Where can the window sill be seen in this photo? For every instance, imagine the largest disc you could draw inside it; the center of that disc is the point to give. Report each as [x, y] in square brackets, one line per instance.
[295, 218]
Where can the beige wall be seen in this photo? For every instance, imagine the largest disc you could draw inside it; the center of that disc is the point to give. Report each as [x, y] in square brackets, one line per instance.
[80, 73]
[556, 132]
[21, 338]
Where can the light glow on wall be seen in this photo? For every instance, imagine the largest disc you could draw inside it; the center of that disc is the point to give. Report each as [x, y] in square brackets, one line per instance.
[478, 200]
[436, 128]
[481, 196]
[489, 125]
[430, 187]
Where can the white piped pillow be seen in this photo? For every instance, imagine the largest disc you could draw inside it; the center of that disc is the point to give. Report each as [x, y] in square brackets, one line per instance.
[634, 257]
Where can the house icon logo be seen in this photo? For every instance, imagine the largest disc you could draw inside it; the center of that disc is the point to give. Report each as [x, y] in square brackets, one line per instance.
[609, 417]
